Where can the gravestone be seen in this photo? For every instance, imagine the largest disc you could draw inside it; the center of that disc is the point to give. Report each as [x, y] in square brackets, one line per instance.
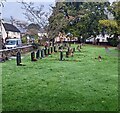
[68, 49]
[67, 54]
[42, 54]
[18, 58]
[61, 55]
[55, 49]
[59, 47]
[45, 51]
[37, 54]
[32, 56]
[73, 49]
[51, 50]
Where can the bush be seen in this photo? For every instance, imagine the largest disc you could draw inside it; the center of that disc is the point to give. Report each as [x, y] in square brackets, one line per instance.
[24, 40]
[113, 41]
[35, 45]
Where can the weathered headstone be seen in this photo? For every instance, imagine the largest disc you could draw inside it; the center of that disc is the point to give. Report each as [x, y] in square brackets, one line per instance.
[67, 54]
[37, 54]
[32, 56]
[18, 58]
[59, 47]
[68, 49]
[42, 53]
[55, 49]
[61, 55]
[45, 51]
[51, 49]
[73, 49]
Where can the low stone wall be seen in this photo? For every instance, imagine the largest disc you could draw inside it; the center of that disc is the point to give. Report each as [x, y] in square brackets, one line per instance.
[7, 53]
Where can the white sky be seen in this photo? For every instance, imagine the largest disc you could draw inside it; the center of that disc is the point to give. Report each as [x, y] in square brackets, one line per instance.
[12, 8]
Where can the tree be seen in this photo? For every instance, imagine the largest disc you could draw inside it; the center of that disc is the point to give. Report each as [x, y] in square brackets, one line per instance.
[35, 14]
[78, 18]
[2, 3]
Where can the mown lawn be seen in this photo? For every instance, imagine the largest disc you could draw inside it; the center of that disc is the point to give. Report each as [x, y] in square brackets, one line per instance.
[80, 83]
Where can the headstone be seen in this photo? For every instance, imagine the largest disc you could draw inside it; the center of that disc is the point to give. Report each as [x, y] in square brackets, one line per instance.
[55, 49]
[45, 51]
[48, 51]
[59, 47]
[32, 56]
[51, 49]
[78, 48]
[42, 53]
[37, 54]
[73, 49]
[68, 49]
[18, 58]
[61, 55]
[67, 54]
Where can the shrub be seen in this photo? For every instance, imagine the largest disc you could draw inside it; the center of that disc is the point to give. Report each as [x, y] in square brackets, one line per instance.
[35, 45]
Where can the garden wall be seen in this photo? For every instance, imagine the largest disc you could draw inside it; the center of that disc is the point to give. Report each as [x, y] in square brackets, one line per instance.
[7, 53]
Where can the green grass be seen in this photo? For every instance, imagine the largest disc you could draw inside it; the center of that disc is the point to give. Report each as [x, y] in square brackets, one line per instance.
[80, 83]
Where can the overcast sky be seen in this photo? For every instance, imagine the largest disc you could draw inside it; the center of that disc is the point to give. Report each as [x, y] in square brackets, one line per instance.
[12, 8]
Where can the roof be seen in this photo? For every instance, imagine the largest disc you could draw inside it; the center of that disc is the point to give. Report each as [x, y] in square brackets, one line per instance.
[10, 27]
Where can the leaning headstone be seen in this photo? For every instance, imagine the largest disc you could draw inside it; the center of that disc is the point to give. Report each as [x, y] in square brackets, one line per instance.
[61, 55]
[18, 58]
[37, 54]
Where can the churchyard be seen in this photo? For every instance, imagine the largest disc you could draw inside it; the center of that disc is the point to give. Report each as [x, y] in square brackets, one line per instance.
[87, 80]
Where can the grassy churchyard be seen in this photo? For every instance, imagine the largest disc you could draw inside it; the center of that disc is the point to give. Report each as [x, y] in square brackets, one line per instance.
[79, 83]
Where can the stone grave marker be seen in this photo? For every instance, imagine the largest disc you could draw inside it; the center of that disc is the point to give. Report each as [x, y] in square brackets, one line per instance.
[18, 58]
[42, 53]
[51, 49]
[38, 54]
[61, 55]
[33, 56]
[55, 49]
[45, 51]
[67, 54]
[73, 49]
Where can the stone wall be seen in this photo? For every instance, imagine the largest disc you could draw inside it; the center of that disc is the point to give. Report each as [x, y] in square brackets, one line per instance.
[7, 53]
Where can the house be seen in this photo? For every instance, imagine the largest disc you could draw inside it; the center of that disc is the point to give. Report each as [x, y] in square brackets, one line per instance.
[9, 31]
[65, 38]
[102, 39]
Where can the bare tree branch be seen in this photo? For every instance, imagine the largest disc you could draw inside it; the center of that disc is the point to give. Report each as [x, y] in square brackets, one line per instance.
[35, 14]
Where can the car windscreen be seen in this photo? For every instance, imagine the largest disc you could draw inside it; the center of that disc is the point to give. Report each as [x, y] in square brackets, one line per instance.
[10, 42]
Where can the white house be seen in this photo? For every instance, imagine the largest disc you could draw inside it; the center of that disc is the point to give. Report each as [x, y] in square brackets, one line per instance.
[100, 37]
[9, 31]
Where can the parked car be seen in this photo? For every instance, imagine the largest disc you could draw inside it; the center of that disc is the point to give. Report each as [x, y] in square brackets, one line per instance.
[13, 43]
